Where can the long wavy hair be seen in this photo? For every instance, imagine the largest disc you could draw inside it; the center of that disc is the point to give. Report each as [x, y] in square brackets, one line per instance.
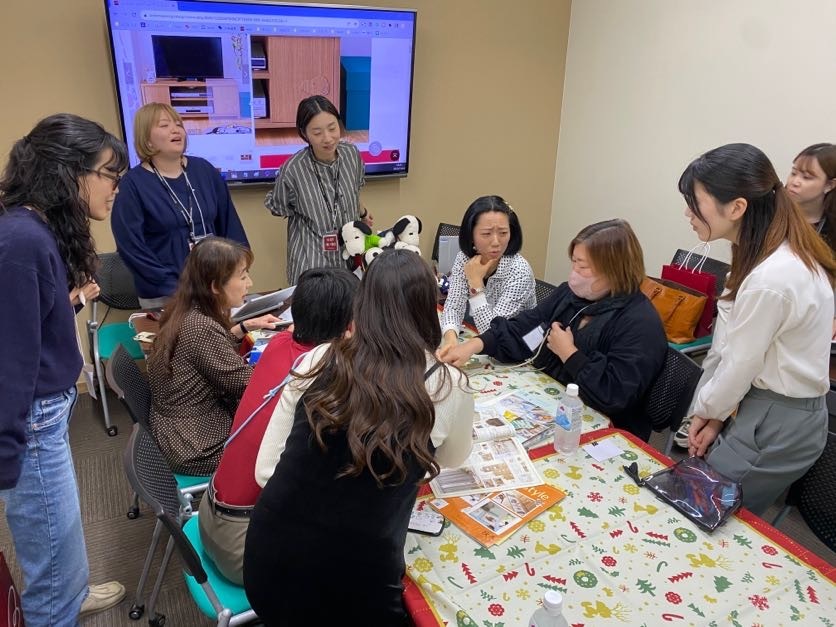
[44, 171]
[210, 264]
[772, 217]
[371, 385]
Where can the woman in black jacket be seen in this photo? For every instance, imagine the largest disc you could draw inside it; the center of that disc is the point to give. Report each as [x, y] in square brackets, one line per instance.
[596, 330]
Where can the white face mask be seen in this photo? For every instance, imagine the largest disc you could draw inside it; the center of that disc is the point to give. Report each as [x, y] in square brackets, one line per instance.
[584, 287]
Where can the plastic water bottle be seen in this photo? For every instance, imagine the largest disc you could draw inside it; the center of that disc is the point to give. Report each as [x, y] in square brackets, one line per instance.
[567, 427]
[551, 614]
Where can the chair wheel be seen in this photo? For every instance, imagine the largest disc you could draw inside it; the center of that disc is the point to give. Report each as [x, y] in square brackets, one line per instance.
[157, 621]
[136, 611]
[111, 431]
[133, 513]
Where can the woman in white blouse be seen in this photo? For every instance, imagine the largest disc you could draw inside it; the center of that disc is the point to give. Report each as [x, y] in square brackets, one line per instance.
[769, 357]
[489, 276]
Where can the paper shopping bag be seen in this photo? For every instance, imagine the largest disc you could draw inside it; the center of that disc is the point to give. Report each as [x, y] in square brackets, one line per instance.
[679, 307]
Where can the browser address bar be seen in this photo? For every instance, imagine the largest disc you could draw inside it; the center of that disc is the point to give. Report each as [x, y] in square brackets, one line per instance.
[239, 18]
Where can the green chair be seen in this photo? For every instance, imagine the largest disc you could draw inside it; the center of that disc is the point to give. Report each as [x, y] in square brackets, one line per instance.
[117, 292]
[152, 480]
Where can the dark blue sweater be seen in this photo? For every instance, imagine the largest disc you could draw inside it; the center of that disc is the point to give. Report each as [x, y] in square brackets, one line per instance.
[37, 330]
[152, 235]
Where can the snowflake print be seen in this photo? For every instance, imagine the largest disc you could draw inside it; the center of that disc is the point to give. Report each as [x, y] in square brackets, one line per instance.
[496, 609]
[423, 565]
[595, 497]
[631, 548]
[650, 555]
[762, 603]
[523, 594]
[772, 580]
[622, 499]
[723, 543]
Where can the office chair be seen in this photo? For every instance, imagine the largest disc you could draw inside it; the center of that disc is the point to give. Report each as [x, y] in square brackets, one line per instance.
[217, 597]
[815, 496]
[669, 397]
[542, 290]
[117, 292]
[132, 389]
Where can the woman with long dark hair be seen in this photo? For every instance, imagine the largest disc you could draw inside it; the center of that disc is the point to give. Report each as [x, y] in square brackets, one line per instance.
[61, 175]
[811, 183]
[197, 376]
[769, 359]
[318, 189]
[371, 417]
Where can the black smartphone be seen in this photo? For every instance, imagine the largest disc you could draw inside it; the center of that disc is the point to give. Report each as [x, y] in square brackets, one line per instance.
[426, 520]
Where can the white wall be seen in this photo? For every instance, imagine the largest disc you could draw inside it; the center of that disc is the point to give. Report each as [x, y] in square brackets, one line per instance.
[651, 84]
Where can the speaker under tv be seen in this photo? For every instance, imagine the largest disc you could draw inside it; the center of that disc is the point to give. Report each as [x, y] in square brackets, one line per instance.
[246, 65]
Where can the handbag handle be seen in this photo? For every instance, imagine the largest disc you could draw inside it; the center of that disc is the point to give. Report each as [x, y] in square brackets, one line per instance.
[706, 248]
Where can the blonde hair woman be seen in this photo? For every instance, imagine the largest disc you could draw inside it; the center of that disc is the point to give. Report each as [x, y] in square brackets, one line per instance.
[167, 204]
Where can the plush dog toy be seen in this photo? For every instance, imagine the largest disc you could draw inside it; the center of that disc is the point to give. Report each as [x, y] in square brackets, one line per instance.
[356, 238]
[406, 230]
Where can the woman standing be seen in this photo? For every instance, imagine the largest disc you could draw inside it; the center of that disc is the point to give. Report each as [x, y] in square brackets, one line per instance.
[167, 204]
[770, 354]
[489, 277]
[372, 415]
[61, 175]
[197, 376]
[811, 183]
[318, 190]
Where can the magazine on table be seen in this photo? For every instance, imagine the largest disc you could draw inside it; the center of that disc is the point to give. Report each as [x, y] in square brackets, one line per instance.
[527, 419]
[491, 518]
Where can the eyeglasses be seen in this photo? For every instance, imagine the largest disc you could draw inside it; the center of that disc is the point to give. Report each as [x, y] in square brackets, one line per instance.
[115, 178]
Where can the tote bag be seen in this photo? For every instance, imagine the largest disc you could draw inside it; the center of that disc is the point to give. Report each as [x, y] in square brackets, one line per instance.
[679, 307]
[11, 614]
[702, 282]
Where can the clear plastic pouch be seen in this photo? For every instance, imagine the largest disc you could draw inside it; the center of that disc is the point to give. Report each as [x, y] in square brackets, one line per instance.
[695, 489]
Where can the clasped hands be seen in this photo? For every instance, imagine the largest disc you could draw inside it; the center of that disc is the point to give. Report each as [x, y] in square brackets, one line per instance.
[701, 434]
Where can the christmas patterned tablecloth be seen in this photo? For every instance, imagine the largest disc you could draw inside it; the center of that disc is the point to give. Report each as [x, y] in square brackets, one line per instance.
[620, 557]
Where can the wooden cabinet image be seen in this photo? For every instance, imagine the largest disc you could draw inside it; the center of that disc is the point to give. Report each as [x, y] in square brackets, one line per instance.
[297, 67]
[196, 99]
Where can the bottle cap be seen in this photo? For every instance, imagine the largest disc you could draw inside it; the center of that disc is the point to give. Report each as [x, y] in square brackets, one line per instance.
[572, 389]
[553, 601]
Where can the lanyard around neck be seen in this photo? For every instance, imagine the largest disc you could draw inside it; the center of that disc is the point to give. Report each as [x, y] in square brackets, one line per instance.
[334, 207]
[178, 204]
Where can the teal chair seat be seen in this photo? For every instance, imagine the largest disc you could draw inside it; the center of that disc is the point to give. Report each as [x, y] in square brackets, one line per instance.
[230, 595]
[188, 481]
[115, 333]
[698, 345]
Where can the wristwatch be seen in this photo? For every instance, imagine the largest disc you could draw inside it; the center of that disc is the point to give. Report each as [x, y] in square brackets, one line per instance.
[474, 291]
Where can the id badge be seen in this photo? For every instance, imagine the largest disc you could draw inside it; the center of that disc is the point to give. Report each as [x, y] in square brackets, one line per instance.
[330, 244]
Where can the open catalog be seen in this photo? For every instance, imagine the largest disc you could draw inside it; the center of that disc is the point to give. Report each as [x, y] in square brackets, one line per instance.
[491, 518]
[498, 460]
[514, 414]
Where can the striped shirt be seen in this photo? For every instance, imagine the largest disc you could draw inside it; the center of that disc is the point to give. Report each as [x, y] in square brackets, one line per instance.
[304, 194]
[508, 291]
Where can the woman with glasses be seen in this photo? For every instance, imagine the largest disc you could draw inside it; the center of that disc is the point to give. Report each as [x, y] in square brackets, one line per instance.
[167, 204]
[60, 176]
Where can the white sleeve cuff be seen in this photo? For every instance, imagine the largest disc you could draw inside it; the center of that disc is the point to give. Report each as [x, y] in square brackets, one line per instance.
[477, 301]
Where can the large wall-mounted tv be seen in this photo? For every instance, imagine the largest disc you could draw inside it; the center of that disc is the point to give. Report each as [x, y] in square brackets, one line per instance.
[236, 71]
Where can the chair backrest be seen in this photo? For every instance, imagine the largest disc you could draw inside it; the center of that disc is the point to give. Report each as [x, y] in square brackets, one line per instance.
[116, 282]
[443, 229]
[150, 477]
[543, 289]
[815, 495]
[713, 266]
[671, 393]
[130, 385]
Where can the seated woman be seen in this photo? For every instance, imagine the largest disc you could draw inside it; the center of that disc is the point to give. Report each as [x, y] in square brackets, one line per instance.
[602, 332]
[196, 375]
[489, 275]
[811, 183]
[371, 417]
[770, 356]
[166, 204]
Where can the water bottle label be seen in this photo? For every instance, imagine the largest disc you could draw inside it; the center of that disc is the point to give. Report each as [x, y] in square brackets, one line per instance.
[562, 421]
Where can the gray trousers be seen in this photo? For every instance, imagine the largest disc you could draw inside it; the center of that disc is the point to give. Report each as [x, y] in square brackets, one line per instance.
[773, 441]
[223, 540]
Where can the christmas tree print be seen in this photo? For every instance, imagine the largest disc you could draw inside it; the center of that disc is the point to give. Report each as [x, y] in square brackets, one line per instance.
[721, 584]
[645, 587]
[485, 553]
[743, 541]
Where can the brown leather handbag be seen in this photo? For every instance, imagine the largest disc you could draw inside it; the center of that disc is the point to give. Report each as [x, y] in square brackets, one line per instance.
[679, 307]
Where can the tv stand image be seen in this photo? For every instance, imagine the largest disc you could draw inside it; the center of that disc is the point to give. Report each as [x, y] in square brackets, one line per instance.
[195, 99]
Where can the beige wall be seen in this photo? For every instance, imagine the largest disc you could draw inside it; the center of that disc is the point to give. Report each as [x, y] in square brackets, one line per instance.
[651, 84]
[486, 110]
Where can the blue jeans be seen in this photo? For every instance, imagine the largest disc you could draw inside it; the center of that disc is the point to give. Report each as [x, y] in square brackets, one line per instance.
[44, 516]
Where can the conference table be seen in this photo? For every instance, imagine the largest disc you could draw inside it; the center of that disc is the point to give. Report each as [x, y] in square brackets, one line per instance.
[618, 555]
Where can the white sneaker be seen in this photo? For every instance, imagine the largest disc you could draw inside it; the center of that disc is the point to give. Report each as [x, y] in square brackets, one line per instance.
[680, 438]
[101, 597]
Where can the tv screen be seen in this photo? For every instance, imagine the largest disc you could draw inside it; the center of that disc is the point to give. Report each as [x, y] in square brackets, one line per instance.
[187, 58]
[236, 71]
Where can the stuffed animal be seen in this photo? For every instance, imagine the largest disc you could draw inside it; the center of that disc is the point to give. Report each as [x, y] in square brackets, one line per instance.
[370, 256]
[405, 246]
[356, 238]
[406, 230]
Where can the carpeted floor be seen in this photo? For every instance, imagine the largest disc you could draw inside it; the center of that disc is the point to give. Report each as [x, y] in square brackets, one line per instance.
[117, 546]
